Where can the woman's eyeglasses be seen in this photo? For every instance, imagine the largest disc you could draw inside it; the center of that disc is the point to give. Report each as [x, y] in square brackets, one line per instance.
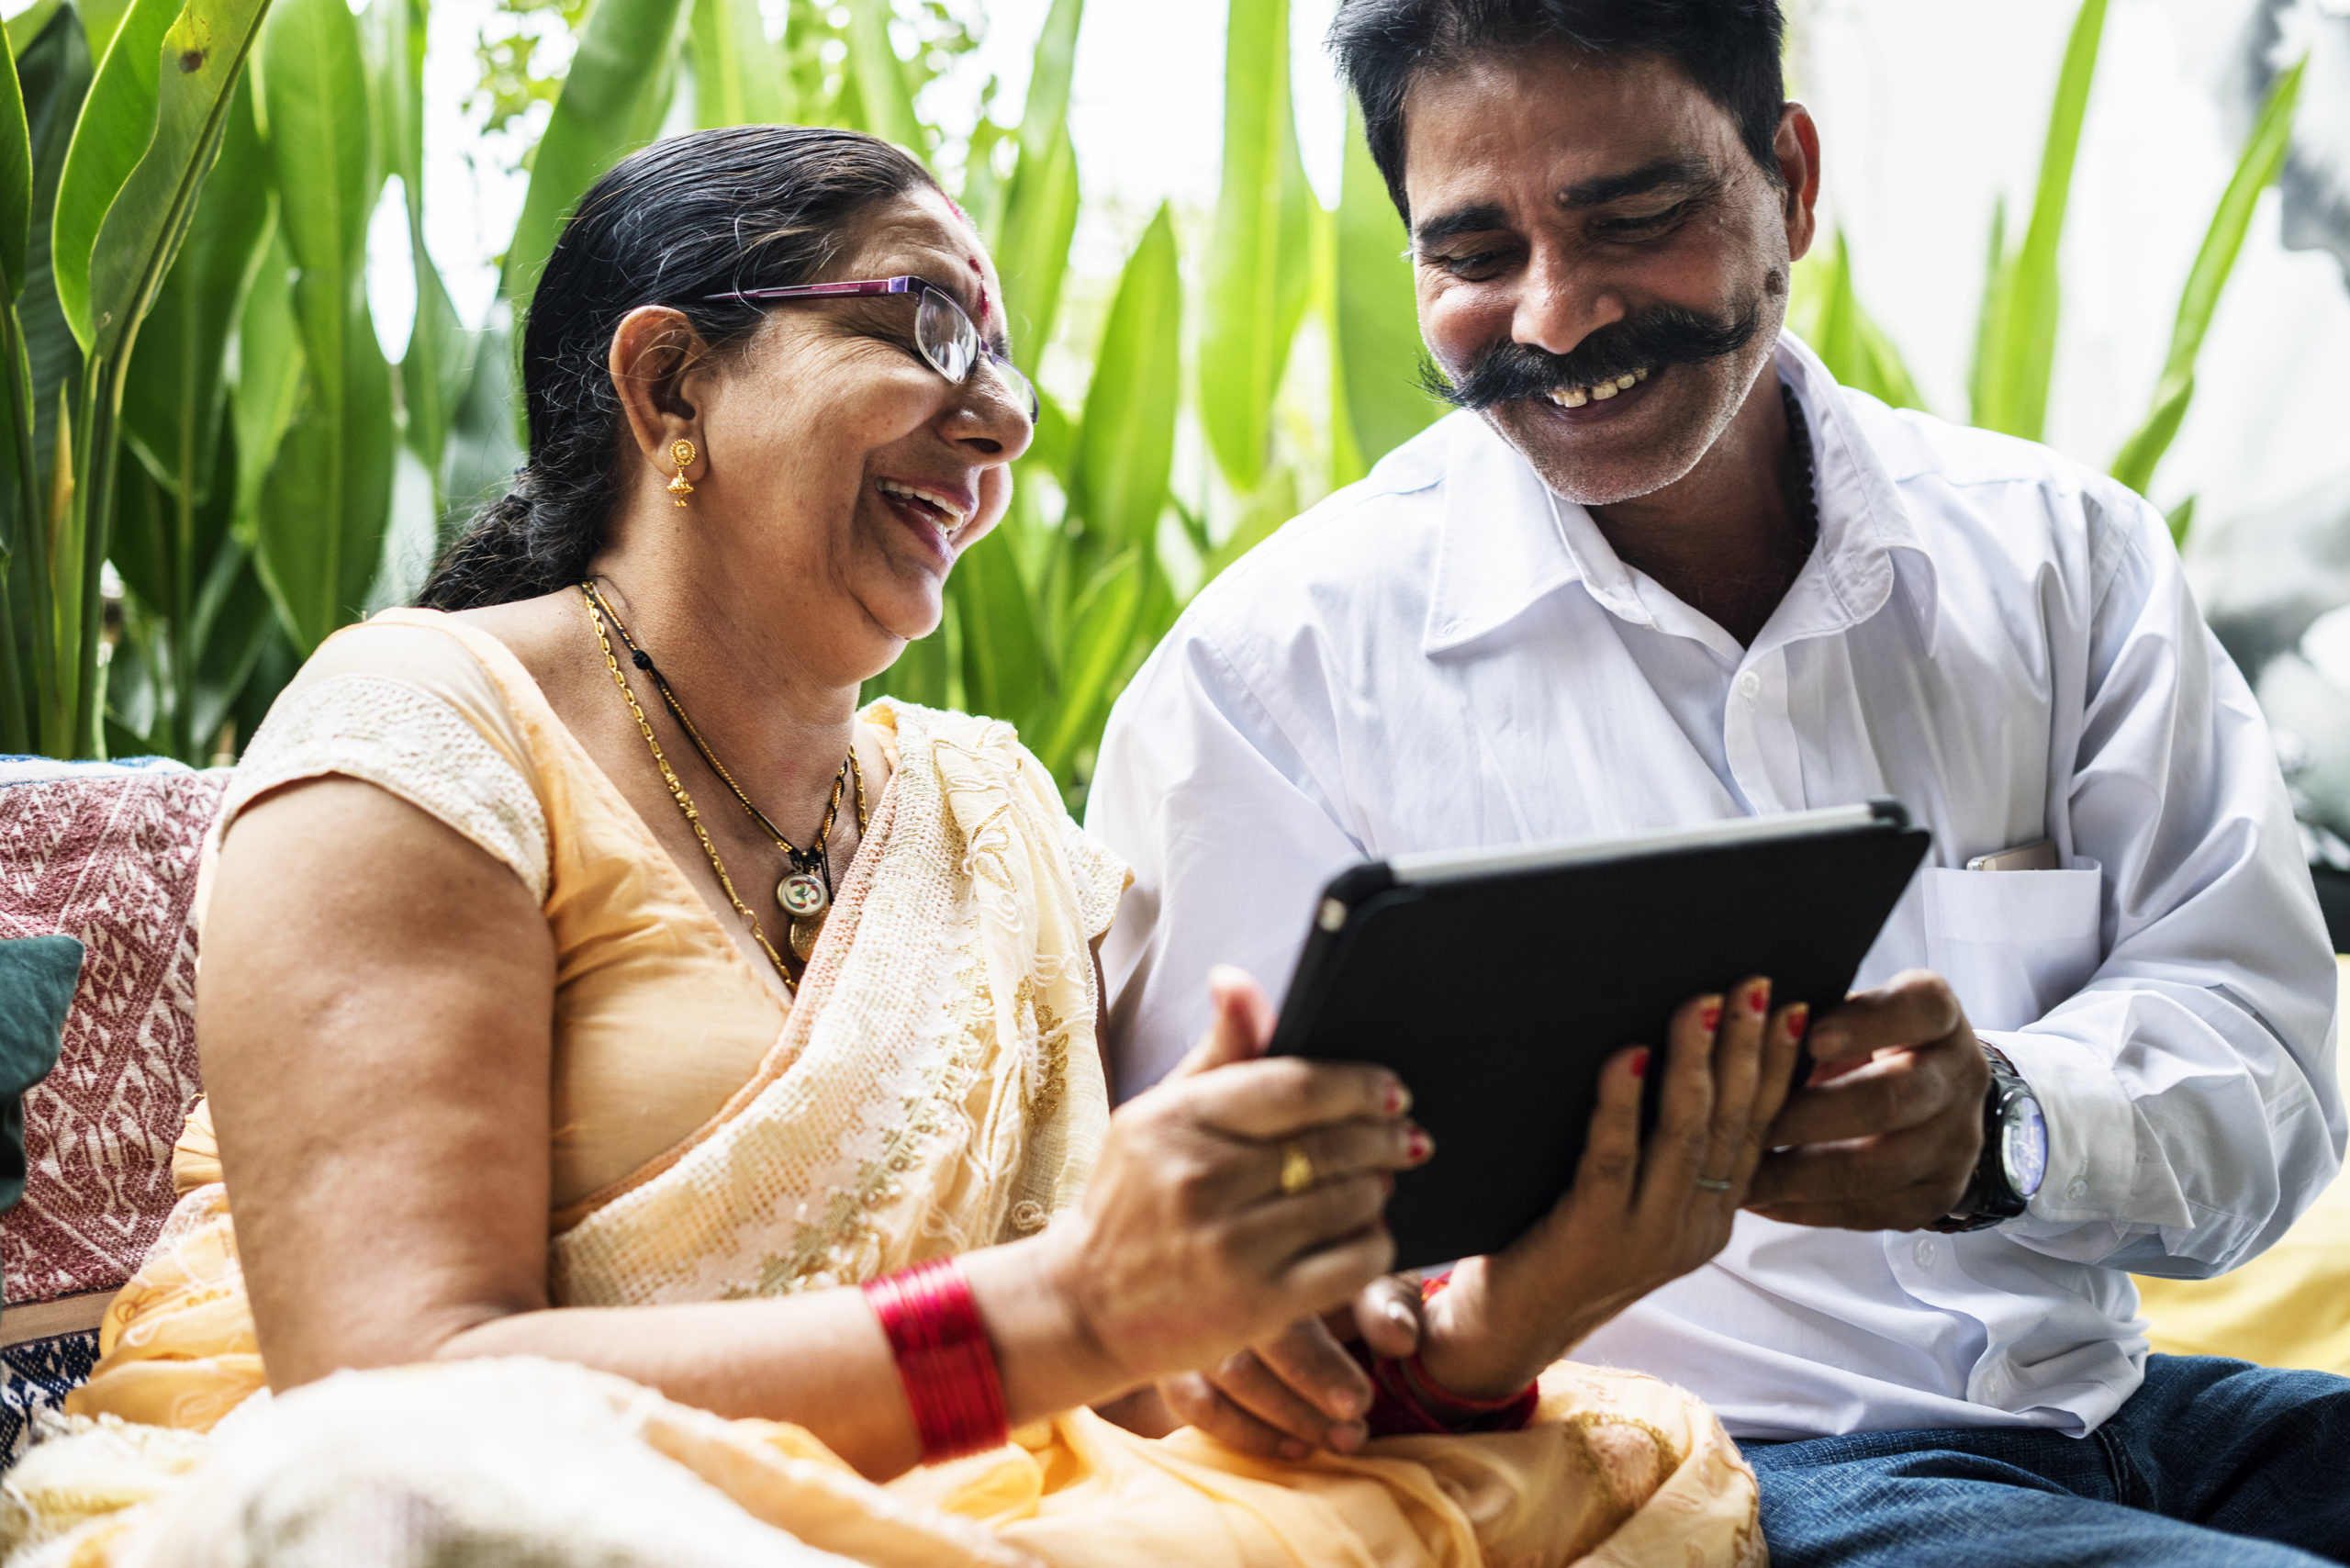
[943, 333]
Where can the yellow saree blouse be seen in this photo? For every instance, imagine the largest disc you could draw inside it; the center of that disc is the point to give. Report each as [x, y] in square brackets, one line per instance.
[936, 1087]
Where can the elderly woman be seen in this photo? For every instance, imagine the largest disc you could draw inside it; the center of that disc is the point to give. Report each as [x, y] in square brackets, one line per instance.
[661, 1101]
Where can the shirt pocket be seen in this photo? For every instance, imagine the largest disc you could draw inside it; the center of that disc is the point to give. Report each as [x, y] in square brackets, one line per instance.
[2013, 944]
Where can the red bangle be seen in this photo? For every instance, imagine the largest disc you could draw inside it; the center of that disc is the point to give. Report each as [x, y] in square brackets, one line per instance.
[944, 1359]
[1405, 1398]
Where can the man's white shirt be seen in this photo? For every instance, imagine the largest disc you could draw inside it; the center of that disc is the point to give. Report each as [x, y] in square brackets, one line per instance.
[1446, 655]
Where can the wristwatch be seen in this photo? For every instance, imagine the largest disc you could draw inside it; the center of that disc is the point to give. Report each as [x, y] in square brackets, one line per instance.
[2015, 1152]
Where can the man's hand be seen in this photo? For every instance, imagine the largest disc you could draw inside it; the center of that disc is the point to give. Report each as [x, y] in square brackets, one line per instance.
[1301, 1390]
[1886, 1135]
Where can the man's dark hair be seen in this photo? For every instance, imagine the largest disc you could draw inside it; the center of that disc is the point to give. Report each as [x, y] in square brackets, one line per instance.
[1729, 48]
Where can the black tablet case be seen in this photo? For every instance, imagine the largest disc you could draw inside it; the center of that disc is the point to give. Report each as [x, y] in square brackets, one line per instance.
[1498, 998]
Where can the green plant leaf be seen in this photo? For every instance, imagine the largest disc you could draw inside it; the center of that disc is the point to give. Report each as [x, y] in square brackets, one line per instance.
[1827, 313]
[1005, 672]
[1378, 318]
[1040, 218]
[320, 520]
[16, 183]
[172, 399]
[738, 74]
[1103, 631]
[2017, 345]
[1258, 266]
[269, 373]
[55, 70]
[30, 23]
[111, 134]
[883, 99]
[611, 105]
[1044, 115]
[1125, 444]
[2262, 160]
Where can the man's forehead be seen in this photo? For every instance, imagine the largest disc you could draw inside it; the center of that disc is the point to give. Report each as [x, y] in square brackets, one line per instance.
[1559, 128]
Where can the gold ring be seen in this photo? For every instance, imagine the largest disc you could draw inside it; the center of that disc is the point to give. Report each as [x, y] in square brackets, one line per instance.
[1297, 1168]
[1710, 1185]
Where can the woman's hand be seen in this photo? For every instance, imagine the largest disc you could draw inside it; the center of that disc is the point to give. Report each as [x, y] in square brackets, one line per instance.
[1285, 1397]
[1634, 1218]
[1186, 1248]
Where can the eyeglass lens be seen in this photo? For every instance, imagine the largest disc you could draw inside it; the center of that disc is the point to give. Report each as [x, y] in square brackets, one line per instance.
[951, 343]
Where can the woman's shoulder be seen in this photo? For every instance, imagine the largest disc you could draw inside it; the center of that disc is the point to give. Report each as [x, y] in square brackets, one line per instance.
[417, 703]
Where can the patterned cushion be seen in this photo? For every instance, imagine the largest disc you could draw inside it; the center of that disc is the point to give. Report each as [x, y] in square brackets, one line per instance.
[37, 1375]
[107, 854]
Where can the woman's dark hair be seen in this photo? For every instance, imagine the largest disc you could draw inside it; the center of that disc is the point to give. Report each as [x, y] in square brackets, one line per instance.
[749, 207]
[1729, 48]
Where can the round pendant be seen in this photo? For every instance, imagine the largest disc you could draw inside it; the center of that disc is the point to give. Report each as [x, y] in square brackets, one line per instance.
[803, 895]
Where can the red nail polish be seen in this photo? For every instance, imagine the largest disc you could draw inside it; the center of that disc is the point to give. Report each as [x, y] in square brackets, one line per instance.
[1709, 1017]
[1397, 1099]
[1798, 1016]
[1418, 1146]
[1640, 1062]
[1758, 998]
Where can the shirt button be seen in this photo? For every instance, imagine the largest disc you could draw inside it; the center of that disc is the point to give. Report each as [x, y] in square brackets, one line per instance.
[1924, 1252]
[1750, 685]
[1995, 1385]
[2078, 1190]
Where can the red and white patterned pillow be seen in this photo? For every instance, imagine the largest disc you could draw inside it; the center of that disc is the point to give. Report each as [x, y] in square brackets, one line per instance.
[108, 855]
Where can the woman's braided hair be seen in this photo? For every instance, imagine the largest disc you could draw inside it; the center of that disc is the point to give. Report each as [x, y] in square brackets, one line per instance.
[749, 207]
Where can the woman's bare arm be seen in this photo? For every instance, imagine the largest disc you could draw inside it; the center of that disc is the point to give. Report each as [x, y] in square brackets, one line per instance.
[374, 1020]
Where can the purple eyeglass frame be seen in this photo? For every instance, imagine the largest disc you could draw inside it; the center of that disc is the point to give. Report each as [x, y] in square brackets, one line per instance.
[868, 288]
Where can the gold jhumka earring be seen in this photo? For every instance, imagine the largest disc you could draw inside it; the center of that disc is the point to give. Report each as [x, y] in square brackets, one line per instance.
[681, 452]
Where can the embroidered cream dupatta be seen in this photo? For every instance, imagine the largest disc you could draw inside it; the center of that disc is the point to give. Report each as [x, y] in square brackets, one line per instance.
[936, 1089]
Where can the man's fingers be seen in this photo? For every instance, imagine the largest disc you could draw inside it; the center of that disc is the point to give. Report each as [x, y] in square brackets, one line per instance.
[1240, 1027]
[1308, 1359]
[1902, 1089]
[1857, 1175]
[1913, 1008]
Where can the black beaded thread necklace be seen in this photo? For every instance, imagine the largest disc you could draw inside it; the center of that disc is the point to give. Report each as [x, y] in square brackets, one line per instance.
[805, 891]
[1803, 481]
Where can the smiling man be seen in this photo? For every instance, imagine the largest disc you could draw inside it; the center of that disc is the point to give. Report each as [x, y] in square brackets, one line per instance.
[1662, 570]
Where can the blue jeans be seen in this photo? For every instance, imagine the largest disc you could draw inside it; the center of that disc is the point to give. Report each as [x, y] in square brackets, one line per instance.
[2211, 1462]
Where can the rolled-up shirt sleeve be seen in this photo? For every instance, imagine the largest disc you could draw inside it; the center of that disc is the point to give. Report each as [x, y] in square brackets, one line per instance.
[2189, 1089]
[1203, 793]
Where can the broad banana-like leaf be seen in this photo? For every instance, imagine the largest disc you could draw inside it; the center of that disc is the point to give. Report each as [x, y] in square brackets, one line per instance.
[102, 21]
[1040, 218]
[439, 359]
[1378, 317]
[16, 183]
[1004, 667]
[56, 70]
[611, 104]
[1125, 444]
[172, 400]
[483, 452]
[2262, 160]
[738, 73]
[1046, 113]
[886, 103]
[2018, 342]
[320, 523]
[1099, 654]
[1826, 312]
[1258, 266]
[26, 24]
[269, 374]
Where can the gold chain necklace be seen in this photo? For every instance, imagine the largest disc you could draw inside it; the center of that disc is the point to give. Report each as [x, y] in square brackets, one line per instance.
[597, 610]
[805, 891]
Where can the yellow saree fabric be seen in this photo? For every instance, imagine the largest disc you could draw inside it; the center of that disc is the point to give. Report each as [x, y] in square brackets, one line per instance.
[936, 1087]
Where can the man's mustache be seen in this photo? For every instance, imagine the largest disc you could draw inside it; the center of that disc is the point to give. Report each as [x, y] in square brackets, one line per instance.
[1670, 334]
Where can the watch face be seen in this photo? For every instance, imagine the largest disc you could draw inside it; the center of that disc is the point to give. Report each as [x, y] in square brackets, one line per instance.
[2023, 1145]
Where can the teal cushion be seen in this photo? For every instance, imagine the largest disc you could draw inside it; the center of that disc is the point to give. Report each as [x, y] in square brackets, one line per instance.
[36, 979]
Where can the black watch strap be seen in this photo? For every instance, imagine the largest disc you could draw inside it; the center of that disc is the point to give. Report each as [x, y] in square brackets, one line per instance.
[1990, 1197]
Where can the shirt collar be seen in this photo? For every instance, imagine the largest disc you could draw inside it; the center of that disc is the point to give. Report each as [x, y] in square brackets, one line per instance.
[1508, 543]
